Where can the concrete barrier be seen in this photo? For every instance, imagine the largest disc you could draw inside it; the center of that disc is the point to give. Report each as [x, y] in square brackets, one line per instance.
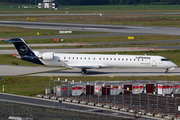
[99, 105]
[40, 96]
[91, 104]
[149, 114]
[54, 98]
[131, 110]
[46, 96]
[68, 100]
[84, 102]
[108, 106]
[124, 109]
[61, 98]
[75, 101]
[115, 107]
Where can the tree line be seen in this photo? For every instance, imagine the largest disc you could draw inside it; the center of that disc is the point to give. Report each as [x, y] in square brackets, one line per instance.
[99, 2]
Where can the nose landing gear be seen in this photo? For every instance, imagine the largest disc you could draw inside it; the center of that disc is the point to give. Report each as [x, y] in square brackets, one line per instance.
[167, 70]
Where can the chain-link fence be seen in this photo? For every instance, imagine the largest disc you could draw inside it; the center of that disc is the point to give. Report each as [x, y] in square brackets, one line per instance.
[165, 105]
[9, 109]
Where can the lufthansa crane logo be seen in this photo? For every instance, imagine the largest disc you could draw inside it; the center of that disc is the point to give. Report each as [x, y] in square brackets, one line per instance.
[23, 50]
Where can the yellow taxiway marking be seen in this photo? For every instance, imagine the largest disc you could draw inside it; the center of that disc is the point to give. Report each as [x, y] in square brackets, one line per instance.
[170, 75]
[111, 76]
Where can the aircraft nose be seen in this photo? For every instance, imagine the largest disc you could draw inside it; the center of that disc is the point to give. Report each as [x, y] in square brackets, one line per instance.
[173, 65]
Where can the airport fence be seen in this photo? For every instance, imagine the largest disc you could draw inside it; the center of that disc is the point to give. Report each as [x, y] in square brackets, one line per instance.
[11, 110]
[149, 103]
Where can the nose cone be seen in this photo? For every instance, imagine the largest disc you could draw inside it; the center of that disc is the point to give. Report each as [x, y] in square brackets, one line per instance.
[173, 65]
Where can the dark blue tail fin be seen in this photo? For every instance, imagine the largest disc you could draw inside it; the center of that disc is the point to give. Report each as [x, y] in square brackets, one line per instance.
[21, 47]
[24, 51]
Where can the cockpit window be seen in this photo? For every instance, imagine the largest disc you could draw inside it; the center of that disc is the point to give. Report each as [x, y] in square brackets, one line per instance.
[164, 60]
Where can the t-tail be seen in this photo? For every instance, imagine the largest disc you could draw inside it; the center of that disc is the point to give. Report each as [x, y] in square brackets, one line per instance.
[24, 51]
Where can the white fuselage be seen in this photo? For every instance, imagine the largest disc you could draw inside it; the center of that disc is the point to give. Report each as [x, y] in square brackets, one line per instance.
[88, 61]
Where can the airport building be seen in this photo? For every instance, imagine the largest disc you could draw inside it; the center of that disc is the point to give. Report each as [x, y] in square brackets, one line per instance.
[47, 4]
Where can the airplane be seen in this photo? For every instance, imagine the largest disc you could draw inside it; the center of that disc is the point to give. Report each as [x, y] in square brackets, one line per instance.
[90, 61]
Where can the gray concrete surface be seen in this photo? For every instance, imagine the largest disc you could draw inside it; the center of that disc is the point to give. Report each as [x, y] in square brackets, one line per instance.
[9, 70]
[94, 27]
[97, 43]
[81, 50]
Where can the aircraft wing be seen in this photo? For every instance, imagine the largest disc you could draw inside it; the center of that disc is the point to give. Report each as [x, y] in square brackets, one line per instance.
[84, 66]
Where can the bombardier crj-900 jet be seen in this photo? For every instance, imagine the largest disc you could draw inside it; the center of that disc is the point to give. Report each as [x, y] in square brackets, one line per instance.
[90, 61]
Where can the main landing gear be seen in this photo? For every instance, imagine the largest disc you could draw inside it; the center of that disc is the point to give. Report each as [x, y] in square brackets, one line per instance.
[167, 70]
[83, 71]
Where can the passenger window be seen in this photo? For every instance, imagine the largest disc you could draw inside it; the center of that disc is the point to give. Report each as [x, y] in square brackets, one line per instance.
[110, 58]
[85, 58]
[89, 58]
[69, 57]
[114, 58]
[130, 59]
[77, 58]
[99, 58]
[73, 57]
[134, 59]
[93, 58]
[122, 59]
[103, 58]
[126, 59]
[118, 58]
[64, 57]
[106, 58]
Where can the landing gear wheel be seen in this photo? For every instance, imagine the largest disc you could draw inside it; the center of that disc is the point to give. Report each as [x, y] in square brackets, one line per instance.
[167, 70]
[83, 71]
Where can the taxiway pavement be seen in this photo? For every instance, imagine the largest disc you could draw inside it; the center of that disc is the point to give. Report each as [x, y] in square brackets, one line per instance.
[97, 43]
[10, 70]
[81, 50]
[94, 27]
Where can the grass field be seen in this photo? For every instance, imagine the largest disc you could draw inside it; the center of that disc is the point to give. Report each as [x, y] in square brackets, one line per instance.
[31, 86]
[171, 20]
[20, 32]
[155, 45]
[89, 39]
[13, 9]
[10, 60]
[137, 19]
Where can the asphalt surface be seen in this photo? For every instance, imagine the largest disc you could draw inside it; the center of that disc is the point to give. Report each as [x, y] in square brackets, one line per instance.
[94, 27]
[113, 43]
[52, 103]
[81, 50]
[10, 70]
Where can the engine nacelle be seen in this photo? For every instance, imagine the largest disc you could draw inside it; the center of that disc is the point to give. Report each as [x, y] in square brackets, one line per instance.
[47, 56]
